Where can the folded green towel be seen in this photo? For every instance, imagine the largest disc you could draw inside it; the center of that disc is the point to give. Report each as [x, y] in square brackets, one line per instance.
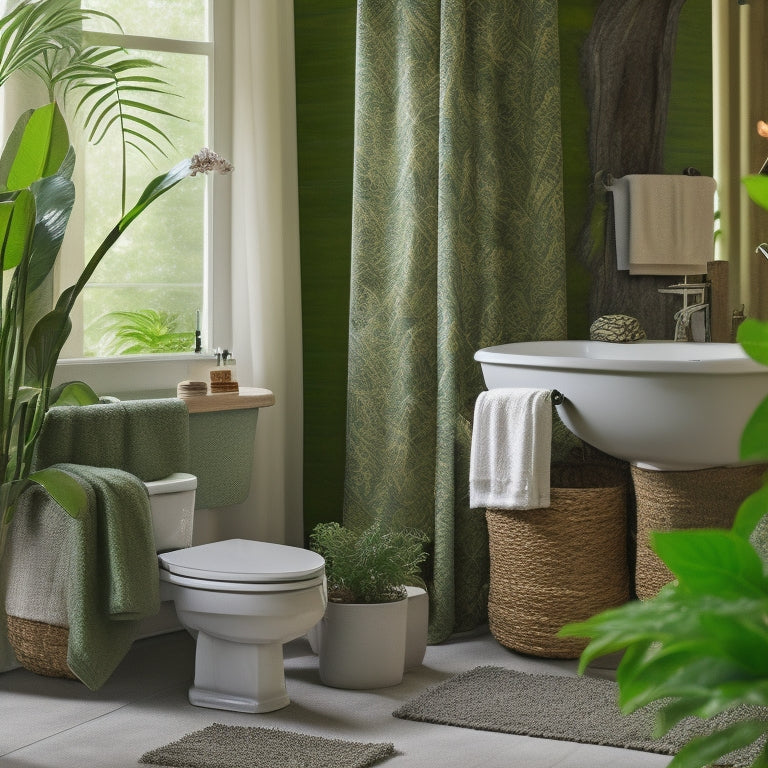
[148, 438]
[102, 565]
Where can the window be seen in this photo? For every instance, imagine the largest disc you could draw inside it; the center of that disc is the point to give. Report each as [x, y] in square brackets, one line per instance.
[162, 263]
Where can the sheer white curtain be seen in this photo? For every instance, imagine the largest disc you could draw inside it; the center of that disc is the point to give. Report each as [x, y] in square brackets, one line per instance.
[265, 279]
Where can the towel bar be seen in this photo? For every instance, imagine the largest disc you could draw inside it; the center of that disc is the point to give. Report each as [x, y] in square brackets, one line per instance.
[558, 398]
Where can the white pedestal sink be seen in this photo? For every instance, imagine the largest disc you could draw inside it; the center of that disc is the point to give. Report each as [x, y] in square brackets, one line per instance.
[660, 405]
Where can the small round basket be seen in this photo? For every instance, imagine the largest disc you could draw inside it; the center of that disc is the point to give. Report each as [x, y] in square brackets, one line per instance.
[40, 647]
[559, 564]
[667, 501]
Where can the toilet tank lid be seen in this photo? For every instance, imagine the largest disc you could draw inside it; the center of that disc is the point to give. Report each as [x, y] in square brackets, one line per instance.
[244, 561]
[175, 483]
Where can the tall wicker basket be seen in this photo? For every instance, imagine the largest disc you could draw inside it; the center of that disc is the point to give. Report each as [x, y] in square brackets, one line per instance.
[702, 498]
[560, 564]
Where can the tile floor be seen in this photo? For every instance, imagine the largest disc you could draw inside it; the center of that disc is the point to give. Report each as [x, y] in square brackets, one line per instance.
[47, 723]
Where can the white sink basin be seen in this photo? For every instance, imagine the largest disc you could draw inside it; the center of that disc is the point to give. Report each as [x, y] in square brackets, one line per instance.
[660, 405]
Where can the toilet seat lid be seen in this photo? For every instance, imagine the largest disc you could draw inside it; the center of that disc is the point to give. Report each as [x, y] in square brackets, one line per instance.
[245, 561]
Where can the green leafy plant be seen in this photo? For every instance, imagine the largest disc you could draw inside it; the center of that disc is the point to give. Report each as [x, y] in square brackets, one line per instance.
[372, 566]
[36, 199]
[145, 331]
[701, 645]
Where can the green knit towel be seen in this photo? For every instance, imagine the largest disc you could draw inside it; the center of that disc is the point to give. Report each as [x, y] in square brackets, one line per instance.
[148, 438]
[96, 574]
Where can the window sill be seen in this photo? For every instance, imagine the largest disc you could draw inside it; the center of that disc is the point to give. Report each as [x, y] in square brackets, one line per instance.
[135, 376]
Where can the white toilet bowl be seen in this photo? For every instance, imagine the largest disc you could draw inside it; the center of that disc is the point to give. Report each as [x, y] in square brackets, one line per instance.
[244, 600]
[241, 599]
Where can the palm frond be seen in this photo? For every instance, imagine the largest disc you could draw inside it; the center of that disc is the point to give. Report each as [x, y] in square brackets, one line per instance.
[33, 30]
[113, 89]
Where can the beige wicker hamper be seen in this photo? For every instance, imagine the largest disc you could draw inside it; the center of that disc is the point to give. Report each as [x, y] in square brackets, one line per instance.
[559, 564]
[702, 498]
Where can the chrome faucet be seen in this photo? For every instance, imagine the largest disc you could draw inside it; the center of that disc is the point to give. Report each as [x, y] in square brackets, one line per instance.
[692, 323]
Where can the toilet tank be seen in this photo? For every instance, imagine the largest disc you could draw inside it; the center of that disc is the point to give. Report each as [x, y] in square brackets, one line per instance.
[172, 504]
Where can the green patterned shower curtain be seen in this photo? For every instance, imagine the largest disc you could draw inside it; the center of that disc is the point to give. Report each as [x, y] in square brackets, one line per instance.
[457, 244]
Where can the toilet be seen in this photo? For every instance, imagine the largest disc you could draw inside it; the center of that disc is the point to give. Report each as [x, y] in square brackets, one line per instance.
[241, 599]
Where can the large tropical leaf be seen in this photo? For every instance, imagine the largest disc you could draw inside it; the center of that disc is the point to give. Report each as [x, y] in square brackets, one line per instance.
[54, 199]
[63, 489]
[712, 562]
[11, 148]
[42, 147]
[155, 189]
[17, 226]
[45, 343]
[73, 393]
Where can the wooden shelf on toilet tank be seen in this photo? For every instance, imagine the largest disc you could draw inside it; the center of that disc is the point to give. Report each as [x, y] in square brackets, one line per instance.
[247, 397]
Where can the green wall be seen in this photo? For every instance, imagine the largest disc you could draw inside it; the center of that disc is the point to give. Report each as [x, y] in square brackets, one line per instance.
[325, 96]
[575, 20]
[688, 141]
[689, 126]
[325, 74]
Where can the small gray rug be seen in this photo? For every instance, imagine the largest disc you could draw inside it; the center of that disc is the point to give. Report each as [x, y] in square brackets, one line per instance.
[565, 708]
[235, 746]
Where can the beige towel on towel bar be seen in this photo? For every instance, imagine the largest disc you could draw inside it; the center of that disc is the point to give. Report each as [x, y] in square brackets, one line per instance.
[671, 224]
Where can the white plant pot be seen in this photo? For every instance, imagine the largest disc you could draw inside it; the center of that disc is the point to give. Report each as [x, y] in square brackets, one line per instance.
[362, 645]
[418, 627]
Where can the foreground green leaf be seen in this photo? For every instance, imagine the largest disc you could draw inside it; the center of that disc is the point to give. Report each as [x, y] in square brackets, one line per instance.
[753, 445]
[712, 562]
[704, 750]
[757, 188]
[751, 512]
[753, 337]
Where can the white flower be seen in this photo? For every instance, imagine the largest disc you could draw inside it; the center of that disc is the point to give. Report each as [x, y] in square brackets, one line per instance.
[207, 160]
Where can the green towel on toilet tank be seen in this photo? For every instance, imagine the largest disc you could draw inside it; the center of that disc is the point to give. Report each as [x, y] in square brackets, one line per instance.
[148, 438]
[96, 574]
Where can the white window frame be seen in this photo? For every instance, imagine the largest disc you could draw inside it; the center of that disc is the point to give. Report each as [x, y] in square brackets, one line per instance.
[158, 374]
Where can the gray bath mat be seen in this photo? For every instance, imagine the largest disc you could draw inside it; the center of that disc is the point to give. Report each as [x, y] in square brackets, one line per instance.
[565, 708]
[234, 746]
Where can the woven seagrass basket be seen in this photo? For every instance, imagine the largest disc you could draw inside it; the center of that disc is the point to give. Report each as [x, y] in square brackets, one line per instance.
[559, 564]
[40, 647]
[666, 501]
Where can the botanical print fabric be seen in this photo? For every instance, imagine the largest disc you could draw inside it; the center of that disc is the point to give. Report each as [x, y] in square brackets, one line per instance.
[457, 244]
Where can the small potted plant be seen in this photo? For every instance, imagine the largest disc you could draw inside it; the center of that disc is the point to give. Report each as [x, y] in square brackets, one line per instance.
[362, 637]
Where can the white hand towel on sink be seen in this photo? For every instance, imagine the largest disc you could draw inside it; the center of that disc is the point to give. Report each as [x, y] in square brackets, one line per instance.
[511, 449]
